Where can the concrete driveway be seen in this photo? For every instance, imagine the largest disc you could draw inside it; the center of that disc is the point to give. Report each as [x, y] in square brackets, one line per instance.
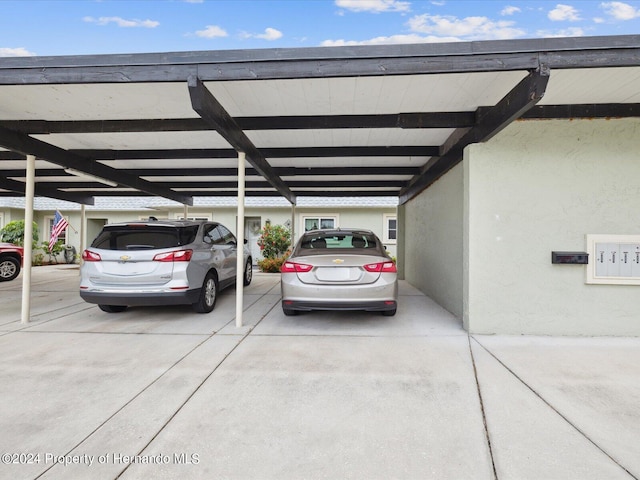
[167, 393]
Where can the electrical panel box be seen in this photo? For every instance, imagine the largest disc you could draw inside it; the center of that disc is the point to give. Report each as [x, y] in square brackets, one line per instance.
[577, 258]
[616, 259]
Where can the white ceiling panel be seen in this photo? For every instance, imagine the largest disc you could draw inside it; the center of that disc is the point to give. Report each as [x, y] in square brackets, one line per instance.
[593, 85]
[99, 190]
[362, 137]
[199, 178]
[95, 101]
[136, 140]
[364, 95]
[21, 164]
[173, 163]
[349, 162]
[331, 178]
[329, 188]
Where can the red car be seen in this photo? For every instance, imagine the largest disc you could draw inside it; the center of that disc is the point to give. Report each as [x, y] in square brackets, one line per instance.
[10, 261]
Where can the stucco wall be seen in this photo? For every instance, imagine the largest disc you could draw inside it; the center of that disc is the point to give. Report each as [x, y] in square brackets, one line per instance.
[541, 186]
[433, 246]
[361, 217]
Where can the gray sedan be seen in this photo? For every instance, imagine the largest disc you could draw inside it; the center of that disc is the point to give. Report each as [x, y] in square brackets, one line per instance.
[343, 269]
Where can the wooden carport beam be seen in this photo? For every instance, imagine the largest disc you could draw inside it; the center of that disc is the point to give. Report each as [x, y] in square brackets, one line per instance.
[26, 145]
[208, 107]
[519, 100]
[45, 191]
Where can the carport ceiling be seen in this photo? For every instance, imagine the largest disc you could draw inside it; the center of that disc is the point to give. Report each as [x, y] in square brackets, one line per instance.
[344, 121]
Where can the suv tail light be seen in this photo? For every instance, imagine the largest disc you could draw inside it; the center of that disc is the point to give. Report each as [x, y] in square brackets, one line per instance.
[291, 267]
[175, 256]
[384, 267]
[89, 256]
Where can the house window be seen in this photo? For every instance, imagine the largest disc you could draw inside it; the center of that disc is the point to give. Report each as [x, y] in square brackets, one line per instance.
[390, 228]
[62, 237]
[319, 223]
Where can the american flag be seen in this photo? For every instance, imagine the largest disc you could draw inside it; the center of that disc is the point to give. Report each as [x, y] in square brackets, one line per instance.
[59, 225]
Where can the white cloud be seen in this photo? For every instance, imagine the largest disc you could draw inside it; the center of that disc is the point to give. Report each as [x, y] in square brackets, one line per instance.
[212, 31]
[374, 6]
[509, 10]
[391, 40]
[121, 22]
[270, 34]
[564, 13]
[469, 28]
[566, 32]
[620, 10]
[15, 52]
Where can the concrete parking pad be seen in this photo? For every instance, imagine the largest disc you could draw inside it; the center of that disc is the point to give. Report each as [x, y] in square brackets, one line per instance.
[332, 407]
[168, 393]
[575, 403]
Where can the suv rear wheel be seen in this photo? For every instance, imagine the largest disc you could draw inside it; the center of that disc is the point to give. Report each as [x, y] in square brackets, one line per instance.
[248, 273]
[208, 294]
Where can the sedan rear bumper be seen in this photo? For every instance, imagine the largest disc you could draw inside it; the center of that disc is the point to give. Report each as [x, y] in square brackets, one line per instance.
[369, 306]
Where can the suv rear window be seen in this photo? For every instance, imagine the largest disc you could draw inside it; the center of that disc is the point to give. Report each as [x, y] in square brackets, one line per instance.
[144, 237]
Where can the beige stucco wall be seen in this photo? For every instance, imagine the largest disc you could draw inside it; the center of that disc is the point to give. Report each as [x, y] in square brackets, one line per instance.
[537, 187]
[359, 217]
[432, 232]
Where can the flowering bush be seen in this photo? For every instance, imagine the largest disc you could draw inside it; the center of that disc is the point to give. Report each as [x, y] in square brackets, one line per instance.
[274, 241]
[272, 265]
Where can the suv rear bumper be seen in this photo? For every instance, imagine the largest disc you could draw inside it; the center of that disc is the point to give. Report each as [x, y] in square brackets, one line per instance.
[185, 297]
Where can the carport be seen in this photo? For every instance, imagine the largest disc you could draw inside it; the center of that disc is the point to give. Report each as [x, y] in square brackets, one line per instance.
[343, 121]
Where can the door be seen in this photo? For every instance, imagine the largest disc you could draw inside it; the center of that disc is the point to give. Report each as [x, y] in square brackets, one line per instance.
[252, 228]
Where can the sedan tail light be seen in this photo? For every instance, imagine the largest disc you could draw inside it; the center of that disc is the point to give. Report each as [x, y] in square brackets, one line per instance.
[384, 267]
[291, 267]
[175, 256]
[89, 256]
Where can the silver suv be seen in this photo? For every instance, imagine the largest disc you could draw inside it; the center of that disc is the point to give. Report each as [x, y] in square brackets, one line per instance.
[160, 263]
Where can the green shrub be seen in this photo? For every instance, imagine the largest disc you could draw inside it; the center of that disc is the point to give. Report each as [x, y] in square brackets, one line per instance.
[58, 247]
[13, 232]
[271, 265]
[274, 241]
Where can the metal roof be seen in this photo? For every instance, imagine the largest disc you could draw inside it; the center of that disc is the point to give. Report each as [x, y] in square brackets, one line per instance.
[356, 121]
[136, 203]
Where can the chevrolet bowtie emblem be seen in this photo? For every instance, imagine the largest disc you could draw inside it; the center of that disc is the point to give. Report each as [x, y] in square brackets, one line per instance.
[124, 258]
[338, 261]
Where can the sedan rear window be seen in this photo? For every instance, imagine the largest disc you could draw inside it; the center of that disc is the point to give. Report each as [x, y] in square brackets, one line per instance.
[144, 237]
[342, 241]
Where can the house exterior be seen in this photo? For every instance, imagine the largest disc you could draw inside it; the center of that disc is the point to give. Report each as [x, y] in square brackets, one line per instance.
[494, 221]
[500, 157]
[375, 213]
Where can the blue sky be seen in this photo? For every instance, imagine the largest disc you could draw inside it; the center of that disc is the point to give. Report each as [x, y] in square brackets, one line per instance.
[75, 27]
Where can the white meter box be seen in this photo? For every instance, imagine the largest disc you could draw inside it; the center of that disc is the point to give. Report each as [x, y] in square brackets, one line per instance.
[614, 259]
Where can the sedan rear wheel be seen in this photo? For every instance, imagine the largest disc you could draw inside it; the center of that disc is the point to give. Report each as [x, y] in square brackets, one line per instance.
[112, 308]
[9, 269]
[208, 294]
